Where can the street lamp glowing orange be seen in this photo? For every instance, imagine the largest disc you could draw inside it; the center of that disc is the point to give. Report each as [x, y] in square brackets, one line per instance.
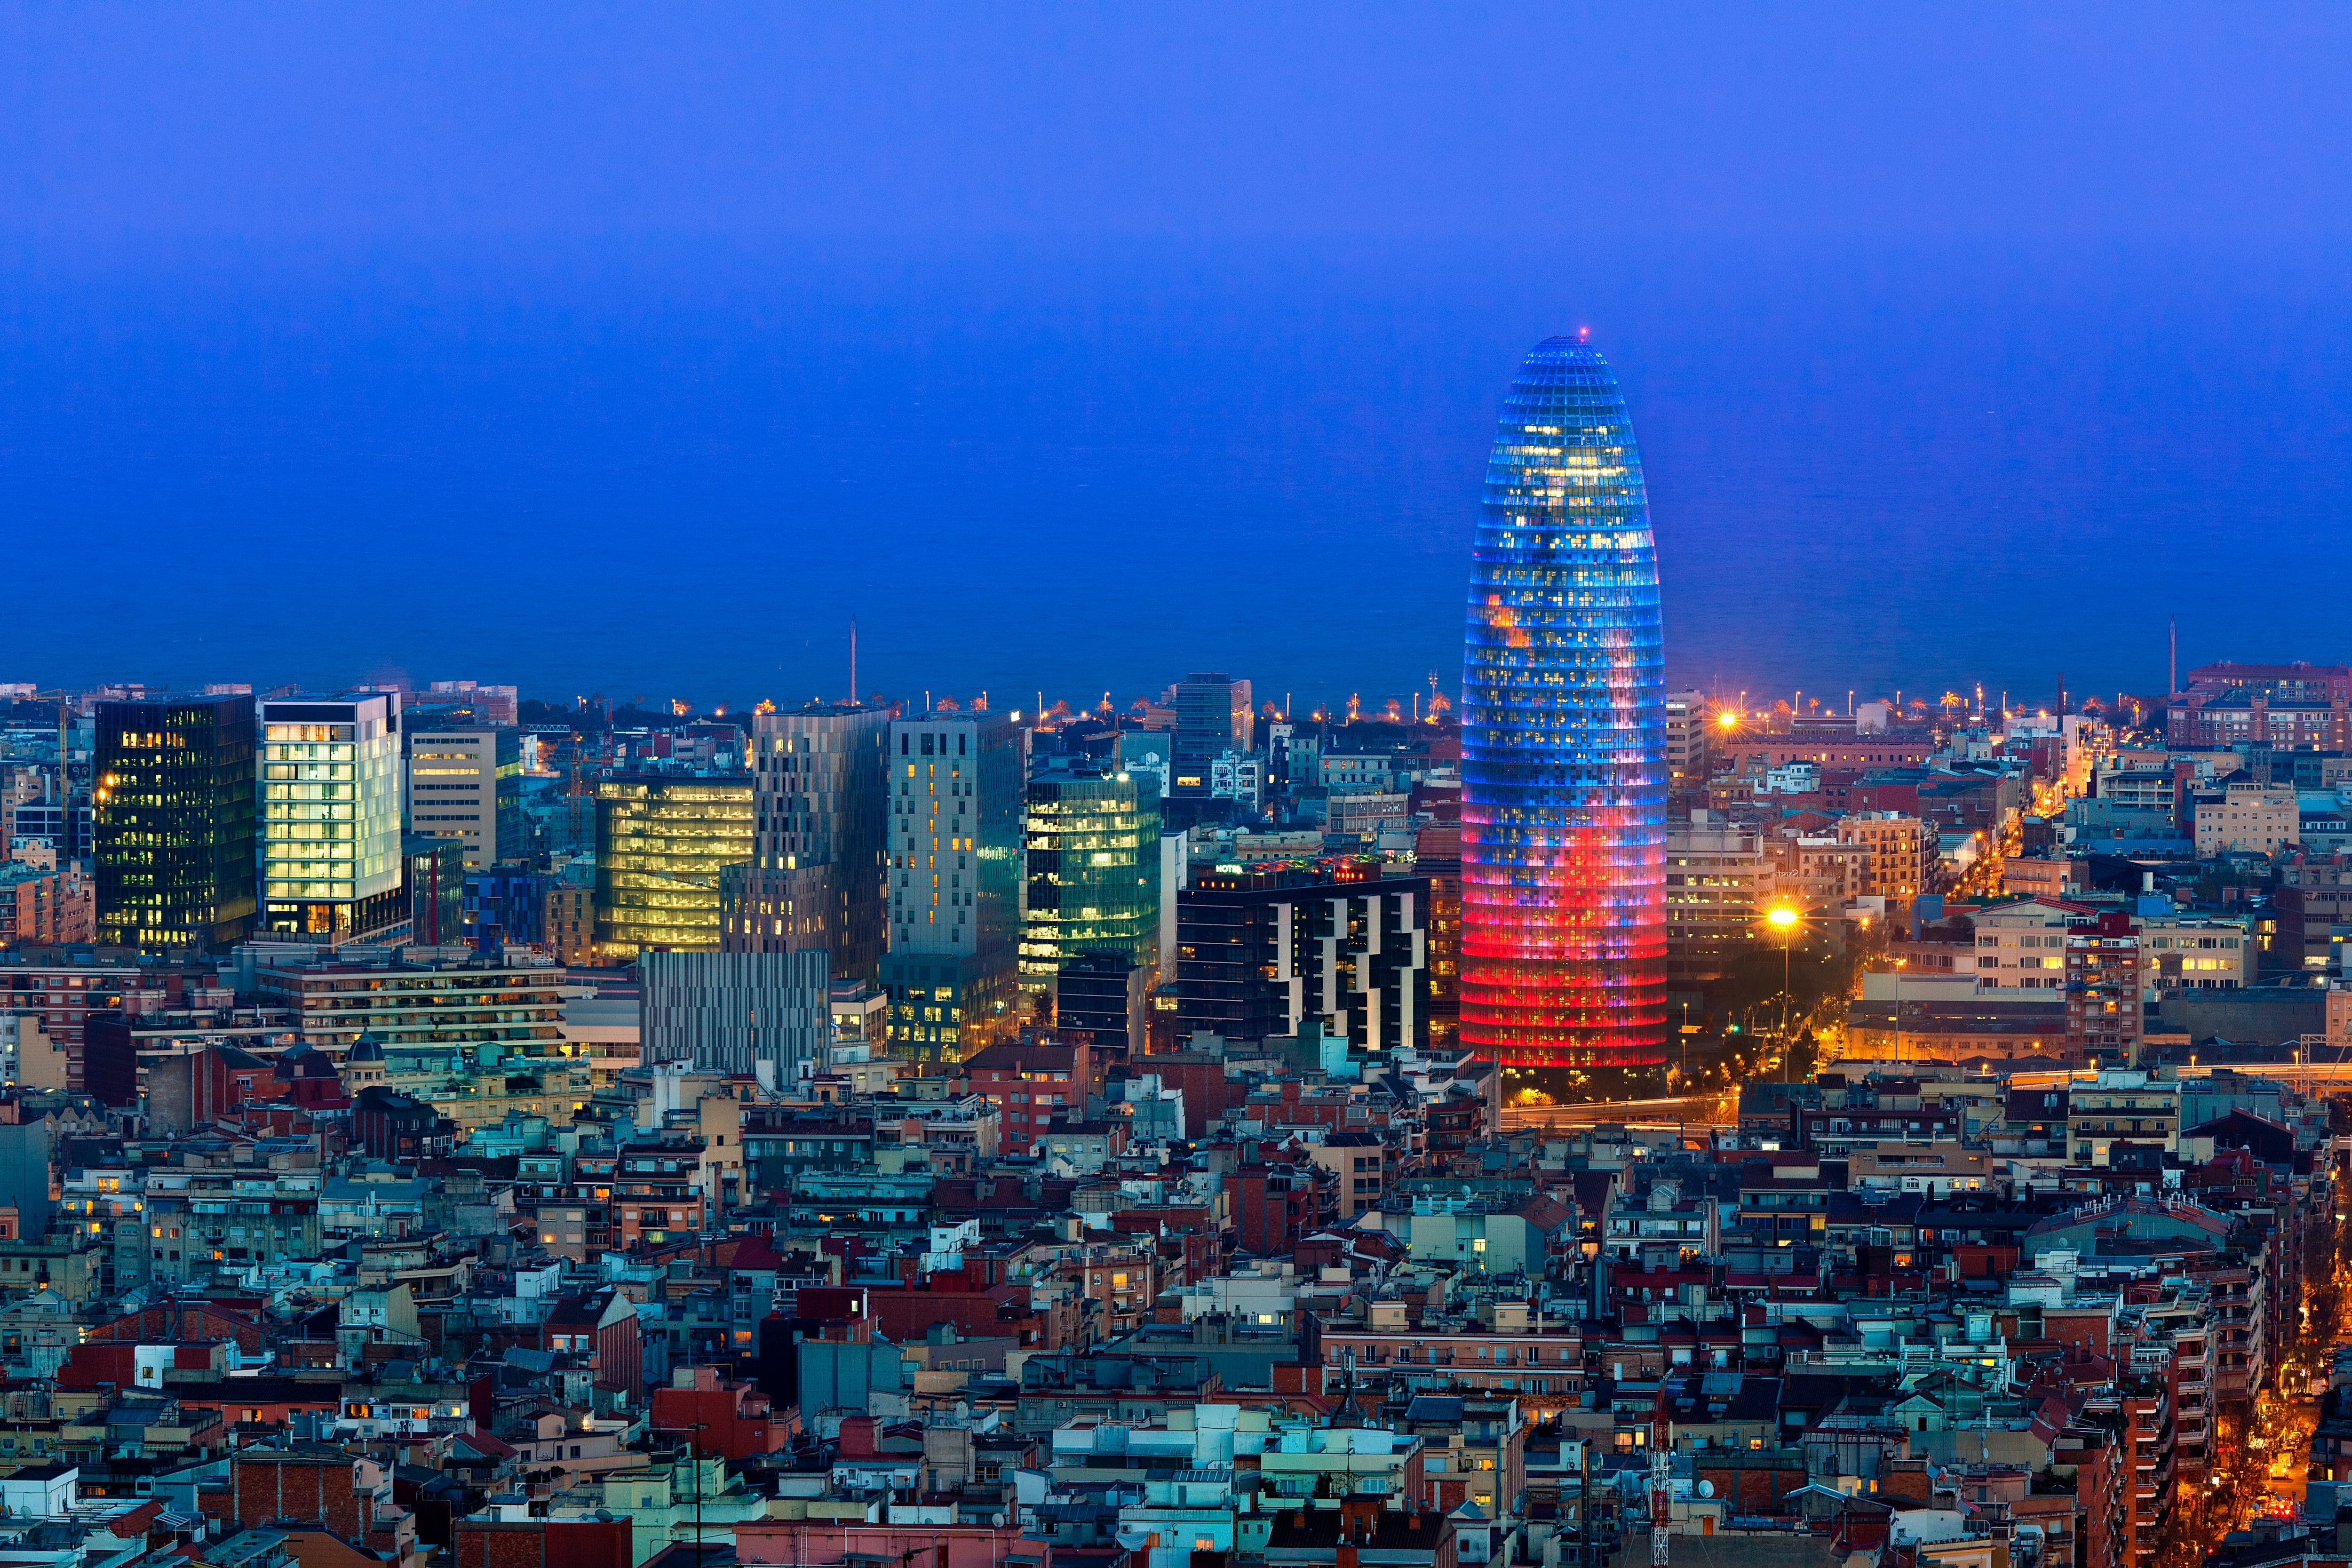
[1781, 916]
[1728, 719]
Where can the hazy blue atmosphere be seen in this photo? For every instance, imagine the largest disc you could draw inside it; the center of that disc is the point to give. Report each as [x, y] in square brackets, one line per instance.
[635, 350]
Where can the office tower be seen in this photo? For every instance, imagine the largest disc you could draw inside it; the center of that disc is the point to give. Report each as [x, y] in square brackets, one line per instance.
[1093, 872]
[767, 1015]
[1563, 734]
[330, 862]
[1263, 950]
[1212, 716]
[173, 815]
[954, 869]
[465, 783]
[661, 841]
[814, 876]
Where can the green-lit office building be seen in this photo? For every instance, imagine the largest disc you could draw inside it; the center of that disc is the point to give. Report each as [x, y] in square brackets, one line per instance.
[1093, 871]
[661, 840]
[173, 823]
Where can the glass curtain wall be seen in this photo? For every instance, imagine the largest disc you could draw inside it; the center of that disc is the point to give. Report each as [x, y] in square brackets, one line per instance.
[1563, 734]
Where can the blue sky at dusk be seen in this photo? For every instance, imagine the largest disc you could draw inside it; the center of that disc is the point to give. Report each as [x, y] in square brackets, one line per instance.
[634, 349]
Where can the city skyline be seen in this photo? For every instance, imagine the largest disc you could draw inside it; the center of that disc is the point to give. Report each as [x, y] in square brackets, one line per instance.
[1919, 383]
[1195, 787]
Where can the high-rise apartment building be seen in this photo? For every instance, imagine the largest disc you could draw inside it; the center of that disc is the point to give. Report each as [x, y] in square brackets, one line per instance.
[1686, 734]
[2104, 1013]
[2241, 815]
[1719, 877]
[814, 875]
[1261, 950]
[1563, 733]
[1093, 872]
[173, 820]
[661, 840]
[331, 859]
[570, 922]
[1212, 716]
[954, 881]
[466, 784]
[42, 906]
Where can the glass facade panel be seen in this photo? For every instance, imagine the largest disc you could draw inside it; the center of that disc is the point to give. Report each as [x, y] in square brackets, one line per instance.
[1563, 734]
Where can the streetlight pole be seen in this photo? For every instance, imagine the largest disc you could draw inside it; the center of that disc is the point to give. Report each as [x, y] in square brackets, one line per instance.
[1784, 919]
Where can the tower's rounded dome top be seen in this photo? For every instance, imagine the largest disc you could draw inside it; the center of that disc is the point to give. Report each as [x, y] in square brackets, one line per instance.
[1575, 347]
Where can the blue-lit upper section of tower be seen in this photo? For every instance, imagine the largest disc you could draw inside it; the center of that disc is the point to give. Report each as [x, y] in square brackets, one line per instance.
[1563, 733]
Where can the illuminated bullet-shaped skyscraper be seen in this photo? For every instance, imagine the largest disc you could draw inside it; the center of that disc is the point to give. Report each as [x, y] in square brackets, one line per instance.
[1563, 734]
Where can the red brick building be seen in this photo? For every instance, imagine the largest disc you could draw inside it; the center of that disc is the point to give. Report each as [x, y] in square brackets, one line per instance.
[1027, 1083]
[723, 1418]
[1275, 1205]
[535, 1543]
[310, 1483]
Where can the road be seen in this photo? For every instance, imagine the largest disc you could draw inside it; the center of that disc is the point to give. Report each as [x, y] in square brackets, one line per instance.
[1722, 1109]
[1688, 1111]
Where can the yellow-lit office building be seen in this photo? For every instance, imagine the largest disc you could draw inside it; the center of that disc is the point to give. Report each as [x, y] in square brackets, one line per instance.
[661, 840]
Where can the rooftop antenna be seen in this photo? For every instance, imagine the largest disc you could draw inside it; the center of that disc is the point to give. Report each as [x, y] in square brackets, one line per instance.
[2172, 664]
[853, 659]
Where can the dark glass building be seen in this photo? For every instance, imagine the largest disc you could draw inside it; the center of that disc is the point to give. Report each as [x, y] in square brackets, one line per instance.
[436, 879]
[1102, 995]
[1212, 716]
[174, 825]
[1563, 734]
[813, 877]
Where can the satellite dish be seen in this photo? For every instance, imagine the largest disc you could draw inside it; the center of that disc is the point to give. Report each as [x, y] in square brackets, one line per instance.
[1707, 1489]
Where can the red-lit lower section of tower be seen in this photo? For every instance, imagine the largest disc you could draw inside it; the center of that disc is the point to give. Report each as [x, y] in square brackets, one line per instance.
[1563, 948]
